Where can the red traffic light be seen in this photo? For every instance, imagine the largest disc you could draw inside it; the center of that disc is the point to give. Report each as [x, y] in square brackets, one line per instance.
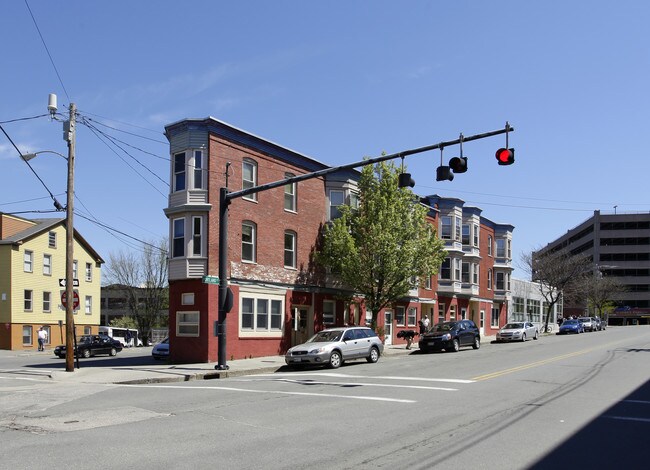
[505, 156]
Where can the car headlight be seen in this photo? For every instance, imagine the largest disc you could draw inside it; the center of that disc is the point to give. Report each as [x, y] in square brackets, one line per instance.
[316, 350]
[446, 337]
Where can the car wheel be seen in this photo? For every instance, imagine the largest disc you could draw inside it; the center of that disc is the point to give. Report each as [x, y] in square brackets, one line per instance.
[113, 352]
[477, 343]
[536, 335]
[523, 338]
[86, 353]
[455, 346]
[335, 360]
[374, 355]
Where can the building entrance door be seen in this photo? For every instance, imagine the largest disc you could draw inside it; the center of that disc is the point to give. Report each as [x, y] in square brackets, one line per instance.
[388, 327]
[302, 328]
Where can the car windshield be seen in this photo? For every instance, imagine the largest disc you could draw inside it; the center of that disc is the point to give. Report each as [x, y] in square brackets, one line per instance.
[570, 322]
[444, 327]
[513, 326]
[85, 339]
[325, 337]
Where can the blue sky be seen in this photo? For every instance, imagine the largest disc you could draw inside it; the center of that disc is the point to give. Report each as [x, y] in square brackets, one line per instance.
[336, 81]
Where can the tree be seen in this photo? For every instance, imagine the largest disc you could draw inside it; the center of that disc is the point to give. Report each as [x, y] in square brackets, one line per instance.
[558, 273]
[600, 291]
[143, 280]
[378, 248]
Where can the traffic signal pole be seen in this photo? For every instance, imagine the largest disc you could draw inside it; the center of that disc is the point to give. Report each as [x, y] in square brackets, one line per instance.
[225, 198]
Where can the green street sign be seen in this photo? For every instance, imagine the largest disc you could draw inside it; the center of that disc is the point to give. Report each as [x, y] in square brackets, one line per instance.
[210, 279]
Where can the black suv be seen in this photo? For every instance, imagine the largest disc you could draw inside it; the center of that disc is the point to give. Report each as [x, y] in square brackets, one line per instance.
[450, 336]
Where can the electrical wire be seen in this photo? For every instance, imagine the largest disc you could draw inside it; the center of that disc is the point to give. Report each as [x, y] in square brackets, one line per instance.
[25, 118]
[57, 204]
[126, 132]
[120, 232]
[47, 50]
[99, 135]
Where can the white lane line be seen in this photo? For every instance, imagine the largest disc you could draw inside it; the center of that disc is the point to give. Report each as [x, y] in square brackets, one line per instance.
[628, 418]
[347, 384]
[233, 389]
[345, 376]
[643, 402]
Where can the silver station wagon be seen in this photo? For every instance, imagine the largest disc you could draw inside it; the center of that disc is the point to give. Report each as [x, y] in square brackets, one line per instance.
[334, 346]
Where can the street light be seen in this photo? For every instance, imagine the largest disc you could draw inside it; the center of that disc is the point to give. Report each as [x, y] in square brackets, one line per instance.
[69, 136]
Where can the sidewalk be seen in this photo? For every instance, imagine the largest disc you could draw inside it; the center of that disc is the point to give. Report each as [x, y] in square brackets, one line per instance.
[163, 372]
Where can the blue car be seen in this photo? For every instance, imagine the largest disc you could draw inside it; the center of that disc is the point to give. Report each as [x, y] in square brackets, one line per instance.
[571, 326]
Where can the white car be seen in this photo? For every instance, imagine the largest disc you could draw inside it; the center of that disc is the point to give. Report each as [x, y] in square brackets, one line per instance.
[161, 350]
[518, 331]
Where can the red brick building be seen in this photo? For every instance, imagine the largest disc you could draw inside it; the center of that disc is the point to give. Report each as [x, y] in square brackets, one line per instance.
[280, 296]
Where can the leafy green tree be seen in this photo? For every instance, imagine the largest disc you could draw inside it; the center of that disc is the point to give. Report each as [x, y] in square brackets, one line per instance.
[378, 248]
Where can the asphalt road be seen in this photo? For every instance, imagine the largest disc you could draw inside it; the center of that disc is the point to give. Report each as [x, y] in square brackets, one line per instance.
[553, 403]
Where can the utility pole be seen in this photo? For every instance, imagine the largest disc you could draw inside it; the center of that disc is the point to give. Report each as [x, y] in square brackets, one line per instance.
[69, 136]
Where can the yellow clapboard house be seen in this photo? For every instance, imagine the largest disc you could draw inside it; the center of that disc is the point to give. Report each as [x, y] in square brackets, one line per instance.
[32, 263]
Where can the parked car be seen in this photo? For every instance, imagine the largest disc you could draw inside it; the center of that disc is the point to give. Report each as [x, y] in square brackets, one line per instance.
[518, 331]
[334, 346]
[571, 326]
[588, 323]
[450, 336]
[92, 345]
[161, 350]
[598, 324]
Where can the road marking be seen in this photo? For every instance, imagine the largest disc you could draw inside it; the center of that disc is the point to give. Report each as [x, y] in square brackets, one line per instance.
[347, 384]
[628, 418]
[345, 376]
[499, 373]
[234, 389]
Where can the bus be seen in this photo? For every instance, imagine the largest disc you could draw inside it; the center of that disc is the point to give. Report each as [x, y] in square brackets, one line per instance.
[120, 335]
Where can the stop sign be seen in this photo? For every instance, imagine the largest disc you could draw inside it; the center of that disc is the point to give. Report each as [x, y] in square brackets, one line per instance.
[75, 299]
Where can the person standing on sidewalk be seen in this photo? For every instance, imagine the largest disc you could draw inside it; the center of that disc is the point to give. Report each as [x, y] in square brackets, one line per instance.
[42, 338]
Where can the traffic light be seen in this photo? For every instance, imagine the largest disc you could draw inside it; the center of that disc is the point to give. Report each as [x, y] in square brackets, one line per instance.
[444, 173]
[505, 156]
[405, 180]
[458, 164]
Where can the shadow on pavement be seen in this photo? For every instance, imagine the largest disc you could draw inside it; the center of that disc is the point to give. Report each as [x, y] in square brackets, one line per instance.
[618, 438]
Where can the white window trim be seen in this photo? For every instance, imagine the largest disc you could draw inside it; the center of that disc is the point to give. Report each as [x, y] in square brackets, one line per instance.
[200, 237]
[253, 242]
[47, 266]
[261, 295]
[28, 261]
[292, 194]
[174, 238]
[294, 249]
[181, 314]
[253, 163]
[47, 305]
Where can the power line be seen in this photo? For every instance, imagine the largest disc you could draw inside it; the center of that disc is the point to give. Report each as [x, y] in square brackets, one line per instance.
[120, 232]
[115, 139]
[48, 51]
[125, 132]
[97, 133]
[125, 123]
[57, 204]
[24, 119]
